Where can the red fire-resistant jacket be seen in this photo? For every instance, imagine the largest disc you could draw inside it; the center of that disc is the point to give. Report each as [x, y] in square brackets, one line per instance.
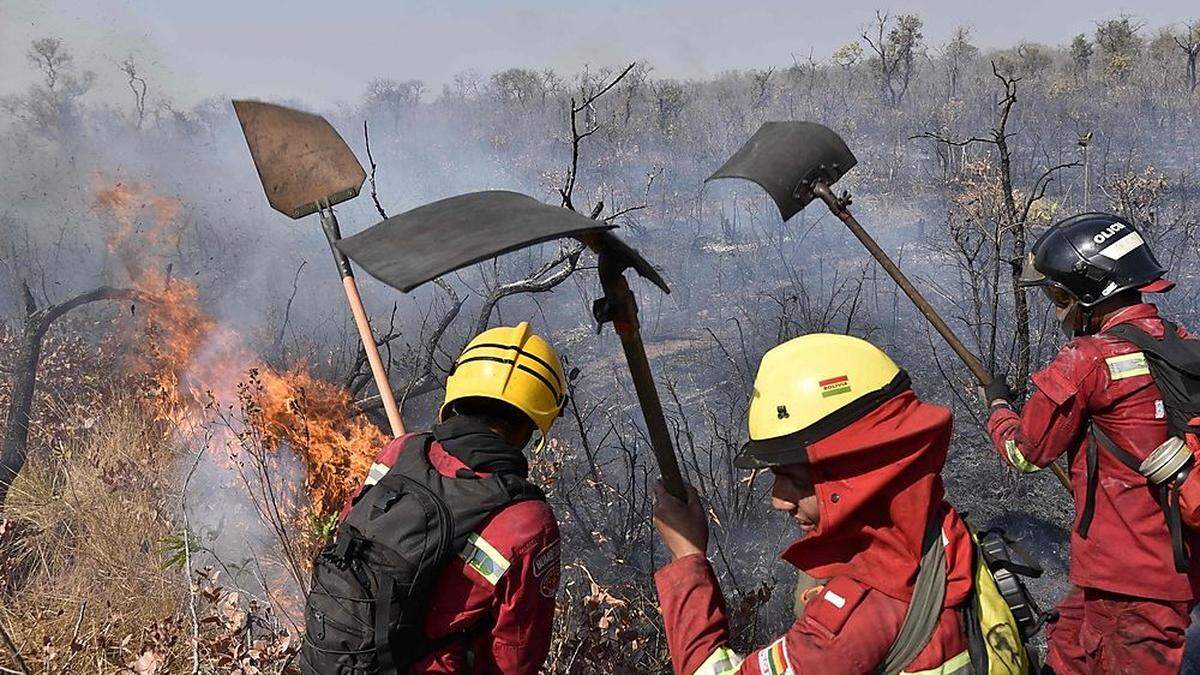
[1103, 380]
[507, 614]
[879, 484]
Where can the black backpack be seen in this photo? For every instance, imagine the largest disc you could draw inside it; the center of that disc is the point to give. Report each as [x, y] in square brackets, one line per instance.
[1174, 363]
[366, 607]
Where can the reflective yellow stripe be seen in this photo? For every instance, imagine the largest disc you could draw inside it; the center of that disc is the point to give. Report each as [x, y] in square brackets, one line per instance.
[484, 558]
[377, 472]
[1127, 365]
[958, 664]
[723, 661]
[1017, 459]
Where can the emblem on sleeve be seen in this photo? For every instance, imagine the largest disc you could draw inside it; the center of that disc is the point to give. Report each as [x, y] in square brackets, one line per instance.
[774, 660]
[546, 558]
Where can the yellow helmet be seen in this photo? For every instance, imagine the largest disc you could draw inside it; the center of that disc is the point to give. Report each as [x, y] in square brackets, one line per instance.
[513, 365]
[809, 387]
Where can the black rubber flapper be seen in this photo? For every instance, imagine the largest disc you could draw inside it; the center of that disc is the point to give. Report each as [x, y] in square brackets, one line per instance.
[785, 158]
[417, 246]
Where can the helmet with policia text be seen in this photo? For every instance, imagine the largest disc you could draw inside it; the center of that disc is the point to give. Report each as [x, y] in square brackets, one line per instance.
[513, 365]
[1091, 257]
[810, 387]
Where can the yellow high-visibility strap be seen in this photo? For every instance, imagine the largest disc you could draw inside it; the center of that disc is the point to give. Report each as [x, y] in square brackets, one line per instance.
[484, 558]
[723, 661]
[954, 666]
[1017, 459]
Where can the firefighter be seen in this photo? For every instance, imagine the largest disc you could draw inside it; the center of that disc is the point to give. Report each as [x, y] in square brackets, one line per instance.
[492, 608]
[856, 460]
[1097, 402]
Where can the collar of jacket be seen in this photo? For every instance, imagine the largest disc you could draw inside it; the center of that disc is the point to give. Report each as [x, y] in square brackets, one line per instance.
[878, 482]
[476, 445]
[1128, 315]
[1138, 312]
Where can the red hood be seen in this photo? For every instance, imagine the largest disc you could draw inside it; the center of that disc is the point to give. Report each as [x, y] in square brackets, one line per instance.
[879, 482]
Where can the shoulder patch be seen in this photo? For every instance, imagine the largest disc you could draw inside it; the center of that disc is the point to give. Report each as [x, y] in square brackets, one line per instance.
[773, 659]
[833, 606]
[1127, 365]
[546, 569]
[543, 559]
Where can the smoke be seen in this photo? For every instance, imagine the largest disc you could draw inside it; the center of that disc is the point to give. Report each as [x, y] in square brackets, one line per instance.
[741, 280]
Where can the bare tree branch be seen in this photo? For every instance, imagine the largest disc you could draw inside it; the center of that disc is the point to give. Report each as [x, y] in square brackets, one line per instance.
[371, 159]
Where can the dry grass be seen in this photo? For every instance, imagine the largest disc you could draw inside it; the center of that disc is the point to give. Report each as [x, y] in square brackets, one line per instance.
[86, 584]
[83, 570]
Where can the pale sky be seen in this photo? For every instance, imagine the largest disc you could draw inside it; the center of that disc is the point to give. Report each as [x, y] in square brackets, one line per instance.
[322, 52]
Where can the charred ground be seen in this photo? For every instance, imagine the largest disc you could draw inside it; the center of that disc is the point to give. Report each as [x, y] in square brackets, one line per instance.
[190, 441]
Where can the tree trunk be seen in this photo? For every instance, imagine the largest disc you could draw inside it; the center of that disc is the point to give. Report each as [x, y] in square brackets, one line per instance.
[20, 404]
[1020, 300]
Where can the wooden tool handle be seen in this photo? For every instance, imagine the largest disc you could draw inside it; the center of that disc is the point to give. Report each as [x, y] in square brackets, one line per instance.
[616, 290]
[333, 233]
[839, 210]
[368, 342]
[985, 378]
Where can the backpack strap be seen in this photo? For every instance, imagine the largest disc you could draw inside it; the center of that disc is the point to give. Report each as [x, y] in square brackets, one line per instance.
[465, 636]
[1096, 438]
[518, 488]
[1092, 477]
[385, 657]
[1171, 348]
[1168, 498]
[414, 454]
[929, 593]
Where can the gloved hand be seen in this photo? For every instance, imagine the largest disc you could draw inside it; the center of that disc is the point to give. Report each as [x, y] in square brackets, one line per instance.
[998, 391]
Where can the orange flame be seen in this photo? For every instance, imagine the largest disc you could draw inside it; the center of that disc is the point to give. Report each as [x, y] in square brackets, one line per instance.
[193, 359]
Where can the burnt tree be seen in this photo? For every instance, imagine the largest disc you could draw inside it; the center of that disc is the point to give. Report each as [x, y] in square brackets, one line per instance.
[36, 324]
[1013, 222]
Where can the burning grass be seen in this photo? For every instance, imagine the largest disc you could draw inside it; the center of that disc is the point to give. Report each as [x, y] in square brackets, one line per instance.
[90, 579]
[199, 365]
[100, 568]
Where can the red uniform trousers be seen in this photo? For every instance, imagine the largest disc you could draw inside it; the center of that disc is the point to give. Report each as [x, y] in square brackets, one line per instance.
[1100, 632]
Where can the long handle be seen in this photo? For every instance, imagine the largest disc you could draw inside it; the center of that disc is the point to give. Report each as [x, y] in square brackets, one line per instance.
[985, 378]
[625, 321]
[333, 234]
[835, 205]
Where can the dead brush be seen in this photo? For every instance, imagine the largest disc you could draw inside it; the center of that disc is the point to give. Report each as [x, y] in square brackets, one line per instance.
[86, 584]
[82, 579]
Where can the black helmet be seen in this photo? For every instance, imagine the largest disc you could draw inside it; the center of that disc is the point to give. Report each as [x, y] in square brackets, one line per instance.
[1093, 256]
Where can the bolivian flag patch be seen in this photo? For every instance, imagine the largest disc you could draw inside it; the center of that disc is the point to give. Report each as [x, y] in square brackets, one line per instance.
[834, 386]
[773, 660]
